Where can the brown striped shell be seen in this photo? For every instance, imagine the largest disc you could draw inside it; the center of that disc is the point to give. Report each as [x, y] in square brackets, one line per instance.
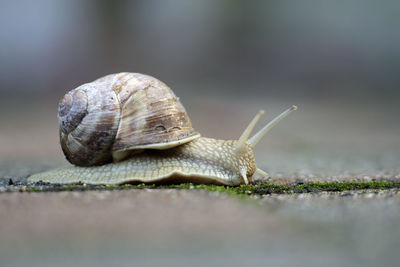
[107, 119]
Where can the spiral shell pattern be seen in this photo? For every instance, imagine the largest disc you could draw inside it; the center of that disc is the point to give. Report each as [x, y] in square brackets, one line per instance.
[117, 113]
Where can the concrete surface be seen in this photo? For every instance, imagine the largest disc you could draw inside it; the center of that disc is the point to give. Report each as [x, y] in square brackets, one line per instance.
[181, 228]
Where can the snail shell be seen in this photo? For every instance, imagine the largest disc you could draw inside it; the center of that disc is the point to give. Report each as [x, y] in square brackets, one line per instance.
[103, 121]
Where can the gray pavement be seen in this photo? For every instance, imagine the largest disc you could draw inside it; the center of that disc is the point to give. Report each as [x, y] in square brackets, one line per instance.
[180, 228]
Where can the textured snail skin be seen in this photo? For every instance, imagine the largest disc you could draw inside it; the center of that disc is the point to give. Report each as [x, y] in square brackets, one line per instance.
[204, 160]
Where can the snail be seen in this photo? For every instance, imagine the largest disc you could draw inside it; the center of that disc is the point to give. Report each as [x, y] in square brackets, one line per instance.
[131, 128]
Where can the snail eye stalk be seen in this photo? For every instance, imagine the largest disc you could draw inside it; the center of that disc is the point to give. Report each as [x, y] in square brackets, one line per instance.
[253, 141]
[241, 143]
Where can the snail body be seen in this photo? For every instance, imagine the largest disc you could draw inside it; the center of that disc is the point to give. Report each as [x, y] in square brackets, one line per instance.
[131, 128]
[193, 161]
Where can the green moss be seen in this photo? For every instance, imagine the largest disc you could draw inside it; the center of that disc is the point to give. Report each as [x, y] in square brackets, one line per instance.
[242, 191]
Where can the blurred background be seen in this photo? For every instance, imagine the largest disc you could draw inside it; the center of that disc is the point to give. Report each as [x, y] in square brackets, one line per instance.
[339, 61]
